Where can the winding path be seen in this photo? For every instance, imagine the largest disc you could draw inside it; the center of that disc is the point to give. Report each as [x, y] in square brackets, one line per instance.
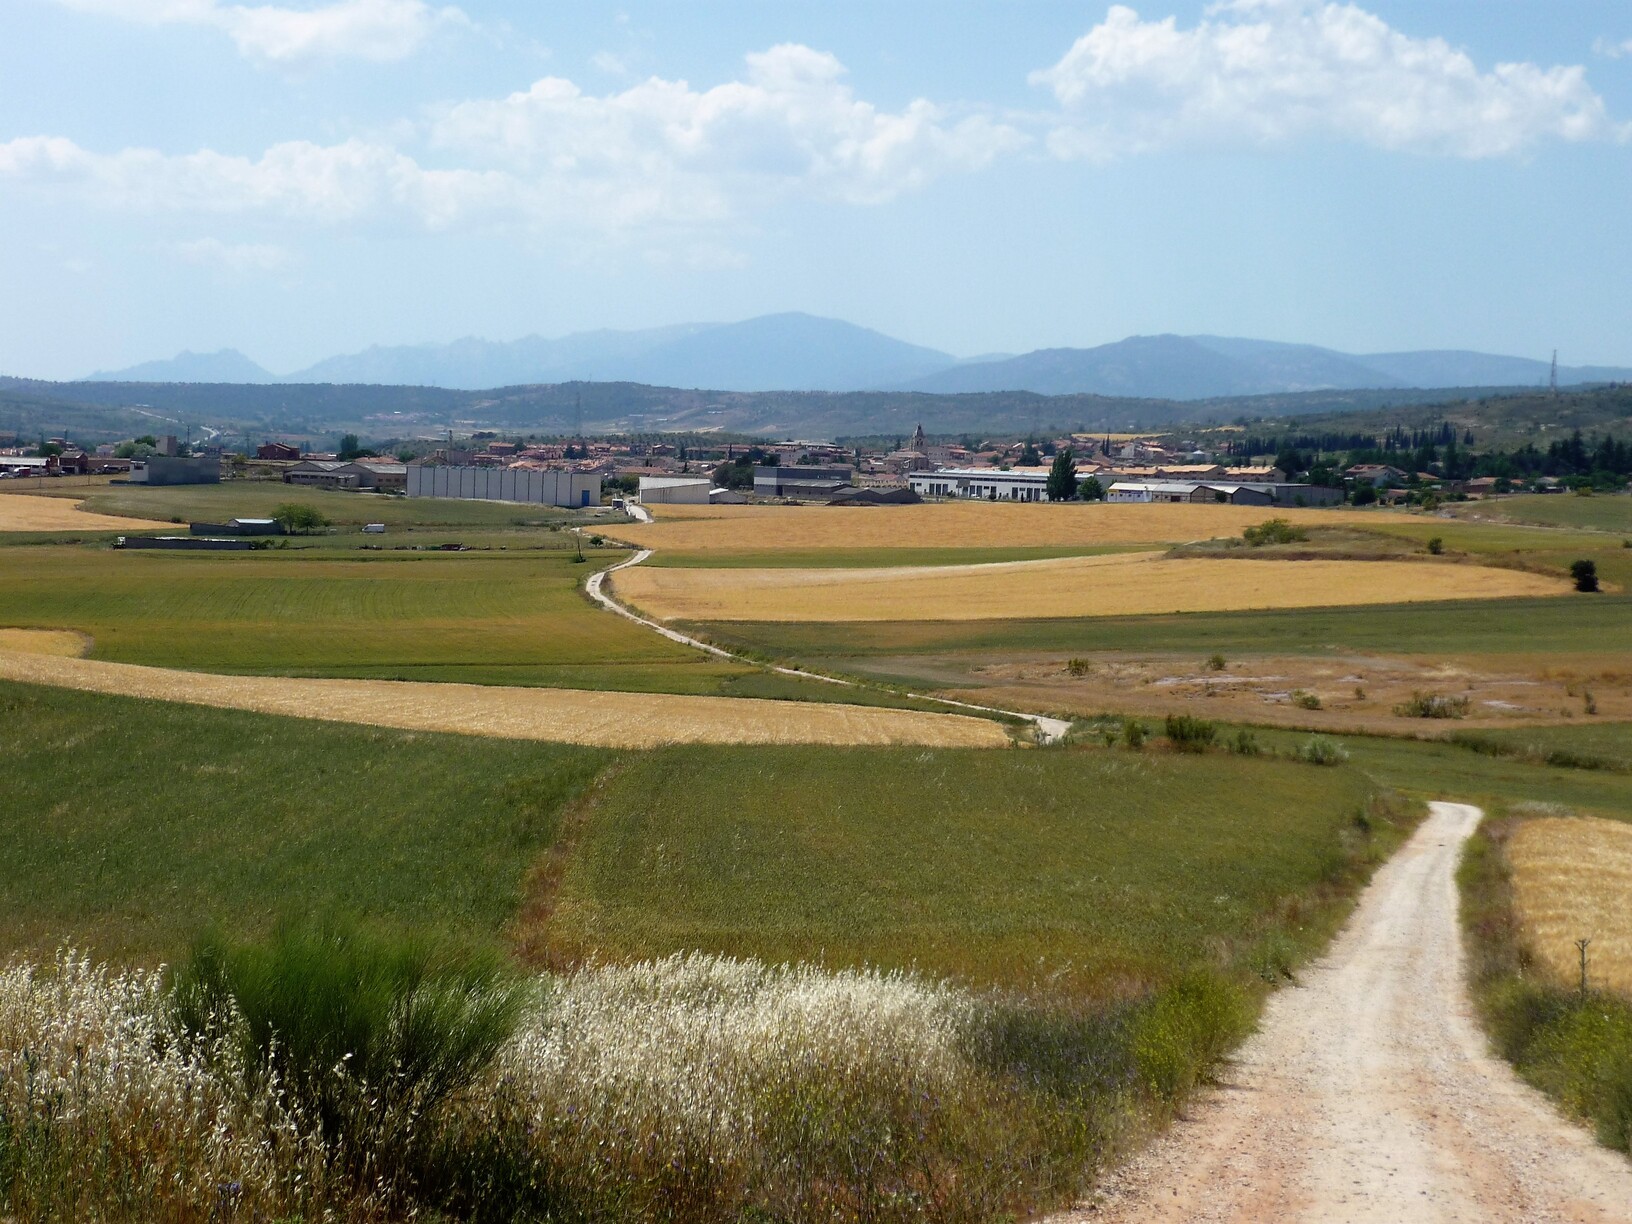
[1049, 730]
[1369, 1092]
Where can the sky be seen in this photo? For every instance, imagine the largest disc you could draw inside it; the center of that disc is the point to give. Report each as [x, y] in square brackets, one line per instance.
[302, 178]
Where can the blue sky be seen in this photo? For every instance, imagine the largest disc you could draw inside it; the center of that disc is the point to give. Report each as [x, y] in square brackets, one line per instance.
[307, 177]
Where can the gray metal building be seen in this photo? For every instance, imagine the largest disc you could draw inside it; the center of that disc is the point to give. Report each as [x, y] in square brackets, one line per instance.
[548, 488]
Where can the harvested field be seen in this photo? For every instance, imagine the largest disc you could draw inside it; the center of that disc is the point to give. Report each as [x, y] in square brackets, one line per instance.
[1571, 880]
[28, 512]
[957, 525]
[1114, 585]
[64, 643]
[569, 716]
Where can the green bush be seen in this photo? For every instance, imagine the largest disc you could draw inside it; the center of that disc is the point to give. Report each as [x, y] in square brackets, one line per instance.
[1436, 545]
[1305, 700]
[1190, 734]
[1245, 744]
[356, 1027]
[1134, 733]
[1319, 750]
[1215, 663]
[1585, 574]
[1432, 705]
[1273, 531]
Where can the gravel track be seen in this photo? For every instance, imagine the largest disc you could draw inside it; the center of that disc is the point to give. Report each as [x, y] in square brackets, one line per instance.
[1369, 1092]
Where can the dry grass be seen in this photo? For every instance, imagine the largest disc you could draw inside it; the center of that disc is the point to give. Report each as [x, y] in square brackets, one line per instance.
[1571, 880]
[1358, 692]
[571, 716]
[29, 512]
[64, 643]
[955, 525]
[1114, 585]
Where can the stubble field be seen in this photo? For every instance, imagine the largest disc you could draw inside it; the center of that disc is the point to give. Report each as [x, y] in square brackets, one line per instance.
[1572, 877]
[1082, 586]
[954, 525]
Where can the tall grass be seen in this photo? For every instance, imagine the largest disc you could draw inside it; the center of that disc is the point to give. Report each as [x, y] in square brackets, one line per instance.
[691, 1088]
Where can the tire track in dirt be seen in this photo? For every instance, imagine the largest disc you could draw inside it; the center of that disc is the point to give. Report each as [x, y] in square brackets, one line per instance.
[1369, 1092]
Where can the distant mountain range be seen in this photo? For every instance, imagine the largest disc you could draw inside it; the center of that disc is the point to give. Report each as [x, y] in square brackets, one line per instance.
[800, 352]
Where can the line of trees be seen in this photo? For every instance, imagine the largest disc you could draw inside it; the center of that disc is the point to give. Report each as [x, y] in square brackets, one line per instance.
[1602, 460]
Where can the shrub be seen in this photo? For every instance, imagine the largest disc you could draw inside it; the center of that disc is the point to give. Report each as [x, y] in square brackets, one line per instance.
[1215, 663]
[1585, 574]
[1319, 750]
[1305, 701]
[359, 1029]
[1433, 705]
[1436, 545]
[1190, 734]
[1134, 733]
[1079, 667]
[1245, 744]
[1273, 531]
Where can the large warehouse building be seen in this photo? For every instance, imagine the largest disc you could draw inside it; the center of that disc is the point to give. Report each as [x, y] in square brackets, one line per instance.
[547, 488]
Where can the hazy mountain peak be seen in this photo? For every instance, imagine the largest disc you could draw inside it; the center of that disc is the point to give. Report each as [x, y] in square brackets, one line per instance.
[223, 366]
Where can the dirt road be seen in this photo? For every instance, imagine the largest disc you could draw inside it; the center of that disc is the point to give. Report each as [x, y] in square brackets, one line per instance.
[1368, 1093]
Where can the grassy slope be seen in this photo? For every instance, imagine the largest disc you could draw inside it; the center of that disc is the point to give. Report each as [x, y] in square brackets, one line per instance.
[129, 825]
[1078, 865]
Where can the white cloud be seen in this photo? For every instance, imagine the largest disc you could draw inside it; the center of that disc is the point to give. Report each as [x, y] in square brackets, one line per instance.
[368, 29]
[657, 155]
[1268, 72]
[1611, 49]
[298, 179]
[237, 257]
[791, 124]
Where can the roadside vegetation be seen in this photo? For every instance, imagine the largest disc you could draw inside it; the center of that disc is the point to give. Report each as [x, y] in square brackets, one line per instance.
[1566, 1033]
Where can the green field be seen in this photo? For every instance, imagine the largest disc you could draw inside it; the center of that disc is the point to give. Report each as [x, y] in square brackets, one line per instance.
[131, 825]
[516, 617]
[1071, 866]
[258, 498]
[1599, 512]
[1596, 624]
[1074, 866]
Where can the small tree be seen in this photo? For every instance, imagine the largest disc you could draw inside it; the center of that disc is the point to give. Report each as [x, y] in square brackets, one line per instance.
[1029, 457]
[1091, 490]
[350, 447]
[300, 520]
[1062, 477]
[1585, 574]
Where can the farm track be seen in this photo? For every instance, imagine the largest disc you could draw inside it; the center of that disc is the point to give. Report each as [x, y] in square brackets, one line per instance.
[571, 716]
[1049, 730]
[1369, 1092]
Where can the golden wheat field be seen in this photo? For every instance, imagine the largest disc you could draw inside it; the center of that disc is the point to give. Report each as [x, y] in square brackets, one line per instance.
[1572, 879]
[1113, 585]
[570, 716]
[954, 525]
[30, 512]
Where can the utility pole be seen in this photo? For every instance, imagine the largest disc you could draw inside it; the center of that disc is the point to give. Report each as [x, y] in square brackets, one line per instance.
[1552, 378]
